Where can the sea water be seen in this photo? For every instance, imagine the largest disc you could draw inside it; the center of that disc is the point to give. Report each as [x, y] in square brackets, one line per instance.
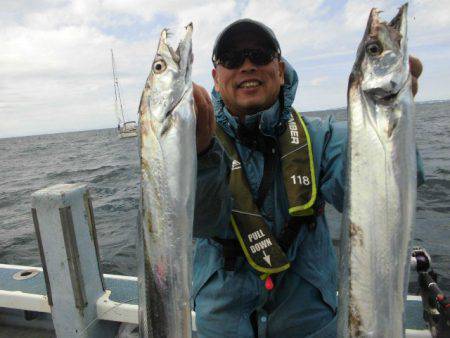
[110, 167]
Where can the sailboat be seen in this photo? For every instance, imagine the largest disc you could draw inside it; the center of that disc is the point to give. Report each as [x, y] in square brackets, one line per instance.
[124, 128]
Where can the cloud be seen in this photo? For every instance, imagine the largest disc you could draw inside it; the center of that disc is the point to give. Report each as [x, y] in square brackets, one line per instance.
[56, 63]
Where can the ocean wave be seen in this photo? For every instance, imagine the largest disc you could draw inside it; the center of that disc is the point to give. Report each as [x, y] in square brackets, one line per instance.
[441, 171]
[120, 205]
[437, 185]
[113, 174]
[78, 172]
[6, 202]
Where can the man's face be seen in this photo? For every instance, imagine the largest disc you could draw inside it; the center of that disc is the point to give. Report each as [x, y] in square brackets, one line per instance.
[249, 88]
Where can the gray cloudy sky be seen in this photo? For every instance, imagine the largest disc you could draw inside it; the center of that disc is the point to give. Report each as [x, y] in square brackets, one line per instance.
[55, 66]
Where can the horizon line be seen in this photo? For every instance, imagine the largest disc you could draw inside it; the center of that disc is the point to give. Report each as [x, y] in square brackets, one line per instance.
[86, 130]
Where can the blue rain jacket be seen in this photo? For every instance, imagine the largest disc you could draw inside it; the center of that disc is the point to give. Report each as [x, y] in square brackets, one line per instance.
[303, 301]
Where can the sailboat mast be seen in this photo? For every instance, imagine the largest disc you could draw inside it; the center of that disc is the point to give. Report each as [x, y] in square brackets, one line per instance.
[117, 97]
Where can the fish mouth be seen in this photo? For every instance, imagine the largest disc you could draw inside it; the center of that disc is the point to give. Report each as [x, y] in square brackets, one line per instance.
[396, 27]
[397, 21]
[184, 46]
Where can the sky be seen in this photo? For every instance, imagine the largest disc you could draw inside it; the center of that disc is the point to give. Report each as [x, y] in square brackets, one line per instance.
[55, 59]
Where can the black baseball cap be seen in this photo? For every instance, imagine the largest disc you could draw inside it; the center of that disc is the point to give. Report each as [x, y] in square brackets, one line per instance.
[224, 39]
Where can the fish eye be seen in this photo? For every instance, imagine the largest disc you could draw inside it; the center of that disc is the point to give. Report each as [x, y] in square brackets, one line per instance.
[374, 48]
[159, 66]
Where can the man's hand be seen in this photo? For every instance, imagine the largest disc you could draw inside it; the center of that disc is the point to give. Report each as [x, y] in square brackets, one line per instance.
[415, 67]
[206, 123]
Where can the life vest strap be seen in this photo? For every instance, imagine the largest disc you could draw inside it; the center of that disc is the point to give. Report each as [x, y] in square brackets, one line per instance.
[290, 231]
[231, 249]
[270, 163]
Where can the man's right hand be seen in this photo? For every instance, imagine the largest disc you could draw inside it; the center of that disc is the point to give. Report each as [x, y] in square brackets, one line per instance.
[206, 123]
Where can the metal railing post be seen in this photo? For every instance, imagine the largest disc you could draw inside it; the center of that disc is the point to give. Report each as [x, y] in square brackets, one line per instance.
[65, 230]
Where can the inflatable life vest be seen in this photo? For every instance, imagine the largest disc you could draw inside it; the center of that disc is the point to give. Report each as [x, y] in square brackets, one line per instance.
[259, 245]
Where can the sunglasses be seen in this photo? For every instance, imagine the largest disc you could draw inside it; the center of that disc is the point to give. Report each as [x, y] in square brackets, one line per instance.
[234, 59]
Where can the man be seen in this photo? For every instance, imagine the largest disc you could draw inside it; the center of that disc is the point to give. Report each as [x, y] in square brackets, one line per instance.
[264, 264]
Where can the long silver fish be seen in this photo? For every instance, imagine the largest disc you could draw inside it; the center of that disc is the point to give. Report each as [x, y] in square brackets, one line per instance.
[381, 184]
[168, 179]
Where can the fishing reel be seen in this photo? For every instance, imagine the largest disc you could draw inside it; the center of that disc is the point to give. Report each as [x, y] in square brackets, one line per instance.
[420, 260]
[436, 306]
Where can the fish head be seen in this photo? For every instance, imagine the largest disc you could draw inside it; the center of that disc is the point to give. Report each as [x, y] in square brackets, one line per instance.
[382, 59]
[169, 78]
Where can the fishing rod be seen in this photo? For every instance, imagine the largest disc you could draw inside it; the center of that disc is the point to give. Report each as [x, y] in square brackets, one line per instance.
[436, 305]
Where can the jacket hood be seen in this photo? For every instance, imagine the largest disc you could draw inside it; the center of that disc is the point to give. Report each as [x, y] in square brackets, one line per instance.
[270, 118]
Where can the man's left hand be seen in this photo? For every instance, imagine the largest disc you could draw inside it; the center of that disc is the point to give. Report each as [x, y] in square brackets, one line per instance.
[415, 67]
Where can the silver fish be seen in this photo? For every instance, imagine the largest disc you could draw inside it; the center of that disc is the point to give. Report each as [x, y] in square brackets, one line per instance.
[168, 159]
[381, 184]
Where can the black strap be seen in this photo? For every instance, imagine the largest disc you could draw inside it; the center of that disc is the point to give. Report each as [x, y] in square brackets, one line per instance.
[248, 137]
[270, 162]
[290, 231]
[230, 250]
